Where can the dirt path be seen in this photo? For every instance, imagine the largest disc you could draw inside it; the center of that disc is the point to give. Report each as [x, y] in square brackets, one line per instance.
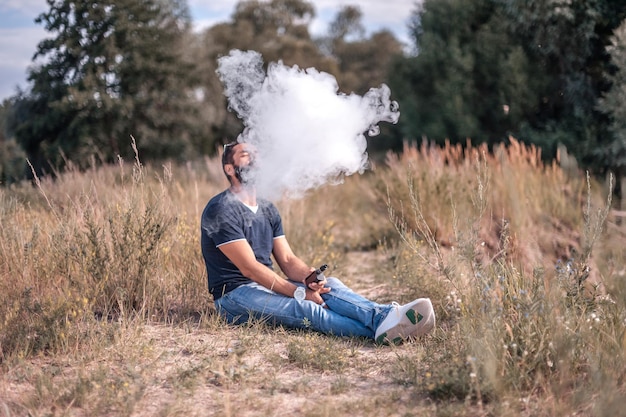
[208, 369]
[261, 375]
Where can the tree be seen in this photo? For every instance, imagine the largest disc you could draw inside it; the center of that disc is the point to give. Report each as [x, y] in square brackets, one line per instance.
[488, 69]
[347, 23]
[465, 76]
[613, 103]
[363, 62]
[12, 158]
[567, 41]
[277, 29]
[112, 69]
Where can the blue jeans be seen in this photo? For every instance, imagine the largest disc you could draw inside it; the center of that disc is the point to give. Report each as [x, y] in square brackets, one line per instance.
[348, 314]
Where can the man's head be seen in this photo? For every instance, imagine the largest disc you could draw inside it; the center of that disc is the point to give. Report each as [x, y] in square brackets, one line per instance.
[237, 160]
[227, 156]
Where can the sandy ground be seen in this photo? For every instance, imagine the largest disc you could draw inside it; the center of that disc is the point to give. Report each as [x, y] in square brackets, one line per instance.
[164, 370]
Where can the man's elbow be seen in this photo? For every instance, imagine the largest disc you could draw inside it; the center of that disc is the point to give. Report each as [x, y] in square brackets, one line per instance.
[246, 272]
[249, 271]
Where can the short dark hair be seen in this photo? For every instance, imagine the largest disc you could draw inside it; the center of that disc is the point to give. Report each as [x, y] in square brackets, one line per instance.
[227, 155]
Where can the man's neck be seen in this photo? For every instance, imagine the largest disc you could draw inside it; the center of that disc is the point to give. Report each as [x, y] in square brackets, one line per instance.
[246, 195]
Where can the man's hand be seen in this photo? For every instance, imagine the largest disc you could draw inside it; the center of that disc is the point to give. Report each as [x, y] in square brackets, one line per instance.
[314, 291]
[318, 287]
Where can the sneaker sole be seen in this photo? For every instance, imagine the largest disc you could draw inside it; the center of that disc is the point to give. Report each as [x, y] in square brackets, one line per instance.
[406, 328]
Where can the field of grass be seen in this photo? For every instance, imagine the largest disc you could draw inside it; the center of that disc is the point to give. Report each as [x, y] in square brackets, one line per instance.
[104, 308]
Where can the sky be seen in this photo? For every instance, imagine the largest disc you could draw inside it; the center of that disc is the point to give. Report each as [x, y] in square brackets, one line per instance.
[19, 34]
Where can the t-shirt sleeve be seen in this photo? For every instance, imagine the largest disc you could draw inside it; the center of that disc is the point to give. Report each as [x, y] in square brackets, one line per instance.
[277, 223]
[222, 228]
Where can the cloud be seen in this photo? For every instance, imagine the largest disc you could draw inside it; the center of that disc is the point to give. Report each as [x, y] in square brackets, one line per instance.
[17, 46]
[388, 14]
[24, 7]
[223, 7]
[207, 14]
[377, 14]
[19, 36]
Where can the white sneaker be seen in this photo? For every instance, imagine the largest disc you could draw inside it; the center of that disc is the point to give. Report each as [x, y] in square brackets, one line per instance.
[405, 322]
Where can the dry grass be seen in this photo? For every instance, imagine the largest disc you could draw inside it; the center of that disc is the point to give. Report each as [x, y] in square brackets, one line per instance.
[104, 308]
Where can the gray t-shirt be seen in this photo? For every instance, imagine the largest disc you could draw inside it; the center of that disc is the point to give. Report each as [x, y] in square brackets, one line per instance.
[226, 219]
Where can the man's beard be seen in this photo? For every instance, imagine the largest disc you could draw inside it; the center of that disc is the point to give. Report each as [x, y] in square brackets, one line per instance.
[244, 175]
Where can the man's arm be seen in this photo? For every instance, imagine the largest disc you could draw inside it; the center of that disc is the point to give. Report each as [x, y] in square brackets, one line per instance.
[289, 263]
[240, 253]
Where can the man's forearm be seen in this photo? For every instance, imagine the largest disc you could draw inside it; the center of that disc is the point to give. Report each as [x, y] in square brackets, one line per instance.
[289, 263]
[295, 269]
[240, 253]
[263, 275]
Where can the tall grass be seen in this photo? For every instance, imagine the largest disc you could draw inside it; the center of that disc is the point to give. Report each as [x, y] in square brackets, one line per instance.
[527, 322]
[104, 308]
[103, 244]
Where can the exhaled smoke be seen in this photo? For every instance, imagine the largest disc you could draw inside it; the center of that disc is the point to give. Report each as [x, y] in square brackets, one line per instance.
[306, 133]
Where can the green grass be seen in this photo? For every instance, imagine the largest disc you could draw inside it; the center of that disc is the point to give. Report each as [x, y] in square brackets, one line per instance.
[104, 308]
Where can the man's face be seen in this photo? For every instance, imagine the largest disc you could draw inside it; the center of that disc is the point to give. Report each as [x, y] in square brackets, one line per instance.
[243, 160]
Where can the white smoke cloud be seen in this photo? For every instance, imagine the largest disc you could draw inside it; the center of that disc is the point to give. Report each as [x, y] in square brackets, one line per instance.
[306, 133]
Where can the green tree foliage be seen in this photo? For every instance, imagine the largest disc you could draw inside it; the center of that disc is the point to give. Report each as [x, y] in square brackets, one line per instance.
[11, 155]
[567, 41]
[112, 69]
[465, 76]
[486, 69]
[613, 103]
[363, 62]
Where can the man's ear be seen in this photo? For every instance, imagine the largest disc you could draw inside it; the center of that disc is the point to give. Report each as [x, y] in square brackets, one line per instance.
[229, 169]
